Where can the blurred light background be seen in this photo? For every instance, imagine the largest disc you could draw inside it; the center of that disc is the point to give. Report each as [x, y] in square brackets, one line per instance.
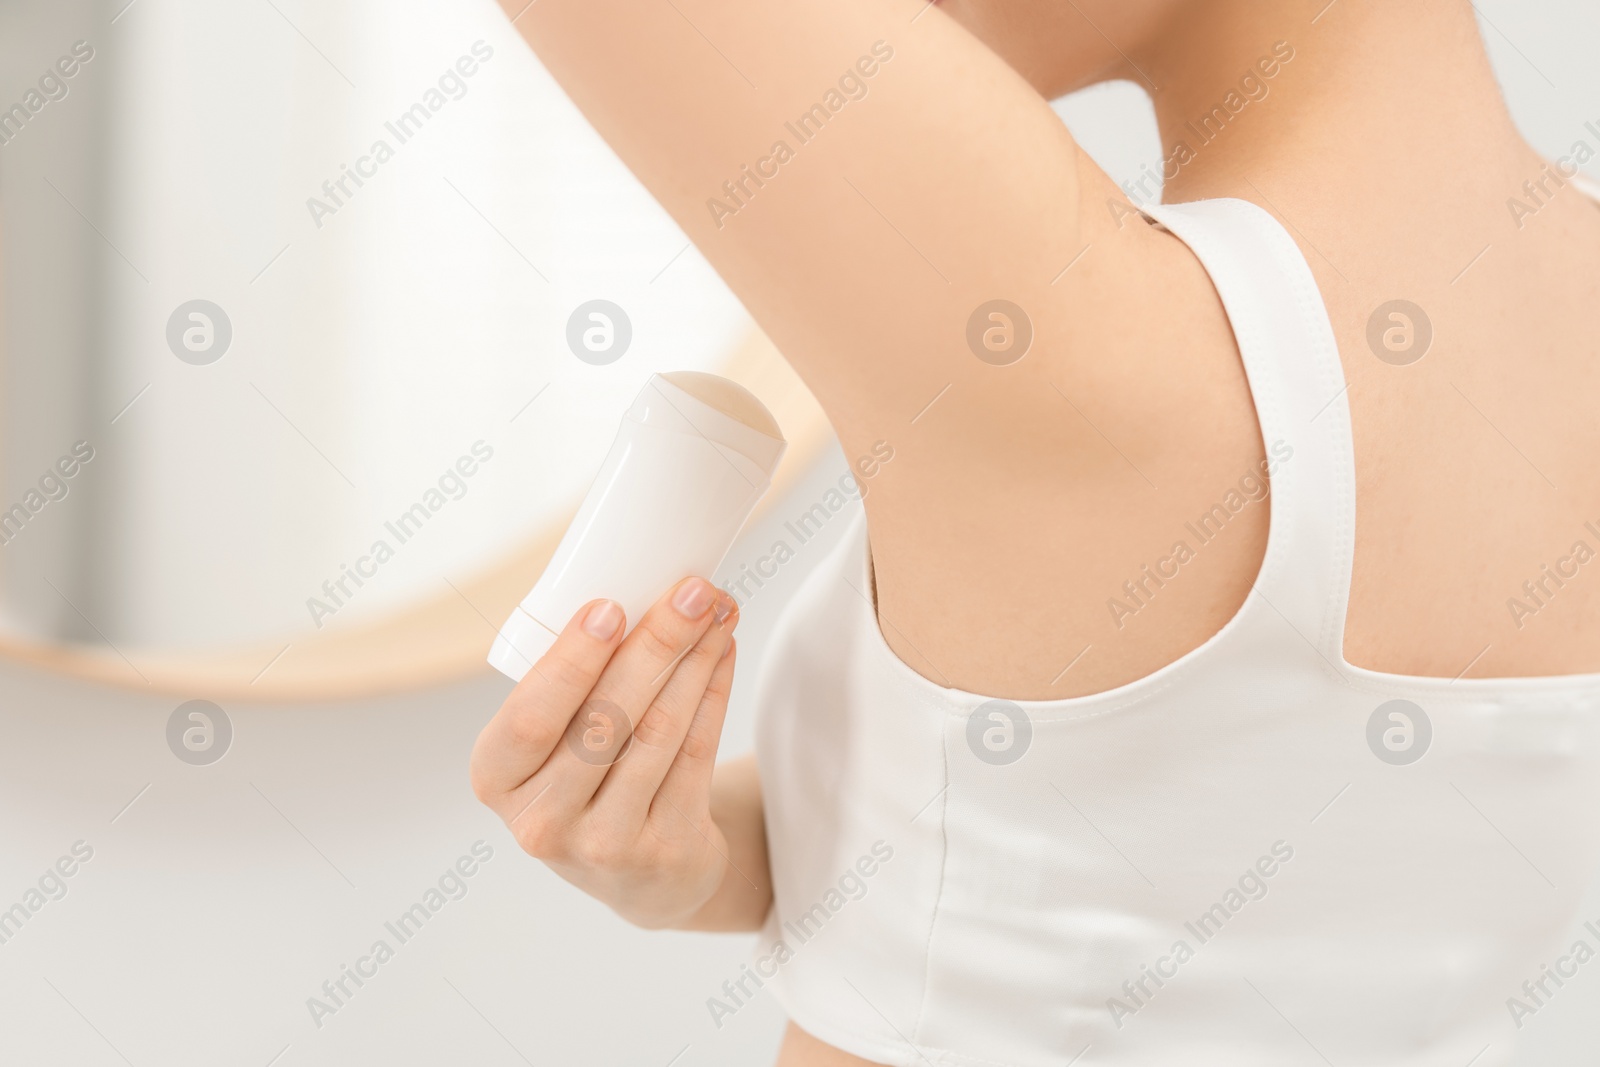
[370, 348]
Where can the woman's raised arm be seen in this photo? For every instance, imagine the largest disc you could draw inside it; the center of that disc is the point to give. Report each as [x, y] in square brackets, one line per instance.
[863, 173]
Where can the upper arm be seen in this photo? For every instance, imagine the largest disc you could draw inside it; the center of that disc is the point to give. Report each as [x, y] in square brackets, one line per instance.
[929, 179]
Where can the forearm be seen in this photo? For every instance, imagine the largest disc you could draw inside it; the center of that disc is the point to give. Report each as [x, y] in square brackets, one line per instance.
[745, 892]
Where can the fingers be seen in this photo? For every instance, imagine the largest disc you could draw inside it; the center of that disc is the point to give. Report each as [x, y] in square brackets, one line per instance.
[687, 785]
[669, 630]
[660, 733]
[639, 669]
[521, 736]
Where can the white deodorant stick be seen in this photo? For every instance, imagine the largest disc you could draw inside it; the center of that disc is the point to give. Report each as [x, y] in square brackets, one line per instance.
[693, 455]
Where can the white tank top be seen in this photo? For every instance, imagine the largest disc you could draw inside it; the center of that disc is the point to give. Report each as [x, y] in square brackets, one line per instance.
[1258, 855]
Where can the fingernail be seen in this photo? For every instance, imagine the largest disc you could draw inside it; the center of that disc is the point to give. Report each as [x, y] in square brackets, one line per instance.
[726, 606]
[603, 619]
[693, 598]
[727, 650]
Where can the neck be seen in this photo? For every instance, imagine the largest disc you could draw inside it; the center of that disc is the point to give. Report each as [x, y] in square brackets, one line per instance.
[1382, 96]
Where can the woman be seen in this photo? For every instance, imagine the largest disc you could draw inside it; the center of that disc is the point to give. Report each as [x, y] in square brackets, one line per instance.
[1219, 685]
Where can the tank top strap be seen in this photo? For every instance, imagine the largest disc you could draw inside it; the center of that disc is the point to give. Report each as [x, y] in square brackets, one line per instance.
[1297, 383]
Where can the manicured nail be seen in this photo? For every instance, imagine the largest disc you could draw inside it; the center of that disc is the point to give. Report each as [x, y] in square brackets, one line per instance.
[693, 598]
[603, 620]
[726, 606]
[727, 650]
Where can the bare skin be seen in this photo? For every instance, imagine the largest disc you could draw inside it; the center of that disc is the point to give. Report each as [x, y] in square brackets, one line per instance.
[1026, 494]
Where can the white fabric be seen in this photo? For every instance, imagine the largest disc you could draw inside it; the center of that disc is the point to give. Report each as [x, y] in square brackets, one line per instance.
[1018, 899]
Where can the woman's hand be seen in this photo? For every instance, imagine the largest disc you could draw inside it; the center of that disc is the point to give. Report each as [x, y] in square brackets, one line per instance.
[601, 760]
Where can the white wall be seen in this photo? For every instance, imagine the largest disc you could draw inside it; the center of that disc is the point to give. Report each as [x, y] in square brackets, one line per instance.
[370, 348]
